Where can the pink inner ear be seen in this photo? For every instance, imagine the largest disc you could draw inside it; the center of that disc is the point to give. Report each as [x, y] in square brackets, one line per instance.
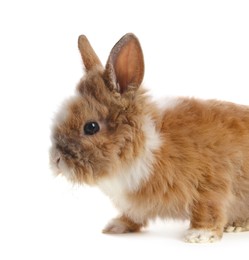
[125, 66]
[129, 66]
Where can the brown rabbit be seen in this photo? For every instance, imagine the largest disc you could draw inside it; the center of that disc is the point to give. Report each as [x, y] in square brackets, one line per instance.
[184, 158]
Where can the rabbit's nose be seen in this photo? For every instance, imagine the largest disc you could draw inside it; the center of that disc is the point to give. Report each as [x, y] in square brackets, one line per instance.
[58, 161]
[55, 157]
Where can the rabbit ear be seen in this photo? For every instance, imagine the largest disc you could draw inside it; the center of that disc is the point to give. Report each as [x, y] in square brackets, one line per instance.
[89, 57]
[125, 65]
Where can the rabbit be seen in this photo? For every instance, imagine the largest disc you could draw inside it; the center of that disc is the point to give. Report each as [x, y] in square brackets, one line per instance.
[181, 158]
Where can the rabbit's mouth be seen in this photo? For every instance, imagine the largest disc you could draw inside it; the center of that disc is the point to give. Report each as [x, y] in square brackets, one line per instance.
[59, 166]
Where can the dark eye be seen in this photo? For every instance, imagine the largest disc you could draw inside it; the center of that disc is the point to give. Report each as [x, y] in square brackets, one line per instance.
[91, 128]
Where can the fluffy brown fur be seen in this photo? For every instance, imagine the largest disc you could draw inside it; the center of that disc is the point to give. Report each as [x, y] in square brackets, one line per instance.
[200, 170]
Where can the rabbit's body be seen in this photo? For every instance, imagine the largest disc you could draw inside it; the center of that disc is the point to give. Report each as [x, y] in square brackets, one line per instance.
[201, 164]
[183, 159]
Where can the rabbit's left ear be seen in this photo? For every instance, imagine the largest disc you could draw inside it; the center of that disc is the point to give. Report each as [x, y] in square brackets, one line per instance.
[125, 65]
[89, 57]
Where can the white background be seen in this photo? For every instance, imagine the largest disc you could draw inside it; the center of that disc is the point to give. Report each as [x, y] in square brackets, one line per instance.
[193, 48]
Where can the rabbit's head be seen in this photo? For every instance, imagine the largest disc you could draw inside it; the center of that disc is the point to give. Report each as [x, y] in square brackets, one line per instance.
[100, 129]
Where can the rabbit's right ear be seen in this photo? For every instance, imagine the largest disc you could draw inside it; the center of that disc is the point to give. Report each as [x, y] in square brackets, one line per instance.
[89, 57]
[125, 66]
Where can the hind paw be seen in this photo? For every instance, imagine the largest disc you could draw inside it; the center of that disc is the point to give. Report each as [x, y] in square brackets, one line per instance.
[238, 226]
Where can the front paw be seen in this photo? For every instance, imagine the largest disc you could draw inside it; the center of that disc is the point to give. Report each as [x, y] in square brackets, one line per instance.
[122, 225]
[201, 236]
[116, 227]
